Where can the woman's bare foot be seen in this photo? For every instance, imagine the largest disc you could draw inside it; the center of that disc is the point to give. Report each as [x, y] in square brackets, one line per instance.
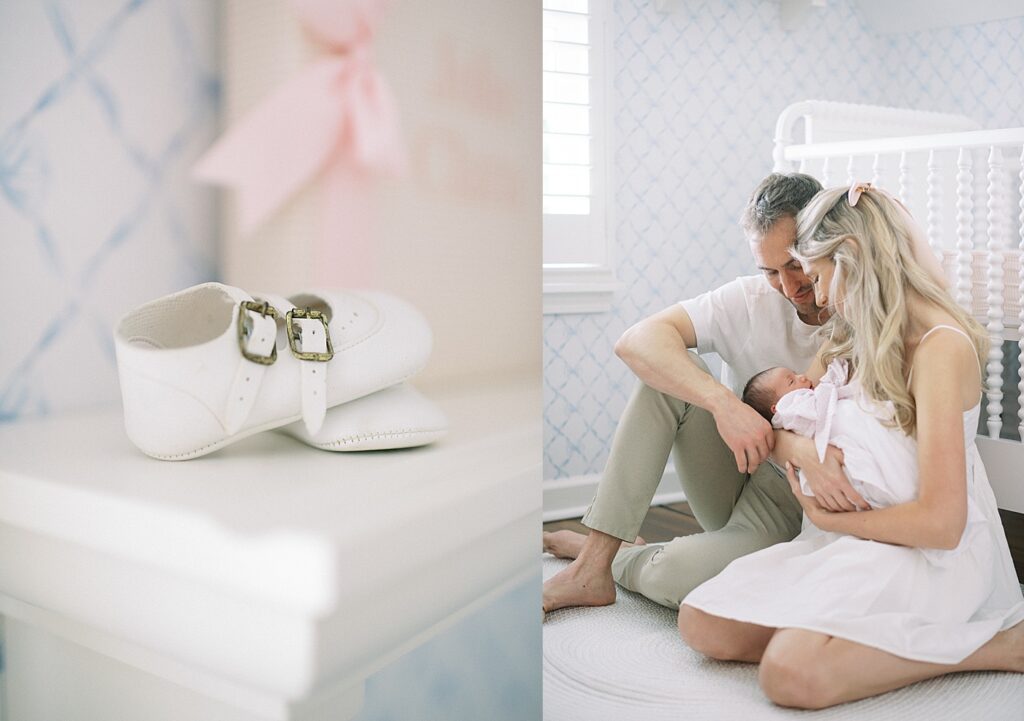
[563, 544]
[568, 544]
[578, 585]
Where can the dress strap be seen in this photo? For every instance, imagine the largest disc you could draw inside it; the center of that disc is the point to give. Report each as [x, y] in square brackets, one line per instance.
[950, 327]
[953, 328]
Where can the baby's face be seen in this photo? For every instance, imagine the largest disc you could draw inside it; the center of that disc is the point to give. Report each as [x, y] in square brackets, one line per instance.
[781, 381]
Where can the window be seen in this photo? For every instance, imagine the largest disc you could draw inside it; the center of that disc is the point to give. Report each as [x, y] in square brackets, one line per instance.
[577, 259]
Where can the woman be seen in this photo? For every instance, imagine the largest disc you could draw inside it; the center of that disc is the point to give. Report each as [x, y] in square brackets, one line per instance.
[865, 602]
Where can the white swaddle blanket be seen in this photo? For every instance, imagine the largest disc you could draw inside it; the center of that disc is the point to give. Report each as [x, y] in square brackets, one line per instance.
[880, 460]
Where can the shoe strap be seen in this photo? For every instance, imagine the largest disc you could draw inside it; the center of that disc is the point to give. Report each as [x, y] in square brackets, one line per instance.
[314, 373]
[245, 387]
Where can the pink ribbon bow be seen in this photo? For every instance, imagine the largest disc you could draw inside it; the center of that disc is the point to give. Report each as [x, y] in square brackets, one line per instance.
[922, 252]
[335, 113]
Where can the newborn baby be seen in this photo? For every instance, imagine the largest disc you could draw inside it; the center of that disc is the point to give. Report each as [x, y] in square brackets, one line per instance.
[880, 460]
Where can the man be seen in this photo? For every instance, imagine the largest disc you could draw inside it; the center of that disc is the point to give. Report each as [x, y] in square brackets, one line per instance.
[719, 445]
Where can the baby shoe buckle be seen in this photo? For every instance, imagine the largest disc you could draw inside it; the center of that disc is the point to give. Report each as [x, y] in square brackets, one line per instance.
[245, 329]
[295, 334]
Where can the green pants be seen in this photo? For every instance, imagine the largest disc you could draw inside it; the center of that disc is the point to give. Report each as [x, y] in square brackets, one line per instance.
[740, 513]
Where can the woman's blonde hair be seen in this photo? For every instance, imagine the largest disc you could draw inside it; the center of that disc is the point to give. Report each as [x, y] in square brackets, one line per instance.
[875, 268]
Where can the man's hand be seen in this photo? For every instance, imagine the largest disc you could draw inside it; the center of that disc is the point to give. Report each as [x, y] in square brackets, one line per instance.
[829, 484]
[749, 436]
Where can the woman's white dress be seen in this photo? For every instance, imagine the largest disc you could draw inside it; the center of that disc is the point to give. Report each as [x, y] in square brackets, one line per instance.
[926, 605]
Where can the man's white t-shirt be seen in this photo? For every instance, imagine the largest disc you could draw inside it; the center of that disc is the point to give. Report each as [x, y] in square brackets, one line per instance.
[752, 327]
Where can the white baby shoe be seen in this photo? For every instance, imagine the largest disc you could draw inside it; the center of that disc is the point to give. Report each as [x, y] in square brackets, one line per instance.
[396, 417]
[212, 364]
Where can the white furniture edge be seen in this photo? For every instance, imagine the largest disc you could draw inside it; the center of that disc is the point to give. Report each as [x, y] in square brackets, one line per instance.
[341, 699]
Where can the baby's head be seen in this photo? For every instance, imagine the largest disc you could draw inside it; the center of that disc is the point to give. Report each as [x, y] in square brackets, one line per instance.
[763, 391]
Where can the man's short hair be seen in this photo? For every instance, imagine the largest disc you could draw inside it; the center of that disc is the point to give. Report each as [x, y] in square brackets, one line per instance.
[778, 196]
[757, 396]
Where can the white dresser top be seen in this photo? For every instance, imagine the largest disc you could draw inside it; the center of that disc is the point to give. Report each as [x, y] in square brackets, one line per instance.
[273, 524]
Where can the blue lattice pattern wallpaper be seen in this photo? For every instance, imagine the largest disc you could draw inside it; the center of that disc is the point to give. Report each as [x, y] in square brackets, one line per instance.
[974, 70]
[696, 93]
[105, 106]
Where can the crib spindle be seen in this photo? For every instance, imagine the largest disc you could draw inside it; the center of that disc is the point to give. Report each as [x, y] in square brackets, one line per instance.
[876, 171]
[1020, 315]
[964, 223]
[994, 390]
[851, 170]
[826, 167]
[934, 192]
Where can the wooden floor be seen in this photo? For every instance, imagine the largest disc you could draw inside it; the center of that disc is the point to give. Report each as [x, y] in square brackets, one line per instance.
[663, 523]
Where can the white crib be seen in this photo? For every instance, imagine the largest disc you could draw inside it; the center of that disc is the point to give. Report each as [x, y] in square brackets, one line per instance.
[965, 185]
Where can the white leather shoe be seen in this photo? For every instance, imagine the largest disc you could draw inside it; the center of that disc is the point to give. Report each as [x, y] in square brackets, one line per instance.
[396, 417]
[211, 364]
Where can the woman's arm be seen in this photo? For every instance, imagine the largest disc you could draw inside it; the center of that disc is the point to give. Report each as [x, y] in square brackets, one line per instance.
[827, 480]
[936, 519]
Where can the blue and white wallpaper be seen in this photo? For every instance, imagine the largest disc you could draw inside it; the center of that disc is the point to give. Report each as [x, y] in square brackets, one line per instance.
[105, 104]
[695, 96]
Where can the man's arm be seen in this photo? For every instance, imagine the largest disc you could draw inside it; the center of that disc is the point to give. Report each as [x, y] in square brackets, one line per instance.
[655, 349]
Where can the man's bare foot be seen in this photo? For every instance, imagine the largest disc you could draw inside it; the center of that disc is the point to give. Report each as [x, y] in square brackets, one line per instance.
[576, 585]
[568, 544]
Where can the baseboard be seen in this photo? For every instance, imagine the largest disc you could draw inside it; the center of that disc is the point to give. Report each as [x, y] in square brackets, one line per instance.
[570, 497]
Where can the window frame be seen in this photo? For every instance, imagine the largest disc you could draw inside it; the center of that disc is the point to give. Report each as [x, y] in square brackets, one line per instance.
[588, 286]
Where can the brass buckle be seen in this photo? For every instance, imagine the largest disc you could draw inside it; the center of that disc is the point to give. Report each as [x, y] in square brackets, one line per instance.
[263, 309]
[295, 334]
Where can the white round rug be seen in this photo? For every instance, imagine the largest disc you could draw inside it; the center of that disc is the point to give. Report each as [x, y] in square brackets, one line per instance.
[626, 662]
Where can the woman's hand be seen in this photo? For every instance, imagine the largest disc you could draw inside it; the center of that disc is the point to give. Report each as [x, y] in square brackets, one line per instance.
[816, 513]
[829, 484]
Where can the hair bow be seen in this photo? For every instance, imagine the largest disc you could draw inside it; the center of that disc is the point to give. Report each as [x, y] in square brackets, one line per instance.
[856, 189]
[922, 252]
